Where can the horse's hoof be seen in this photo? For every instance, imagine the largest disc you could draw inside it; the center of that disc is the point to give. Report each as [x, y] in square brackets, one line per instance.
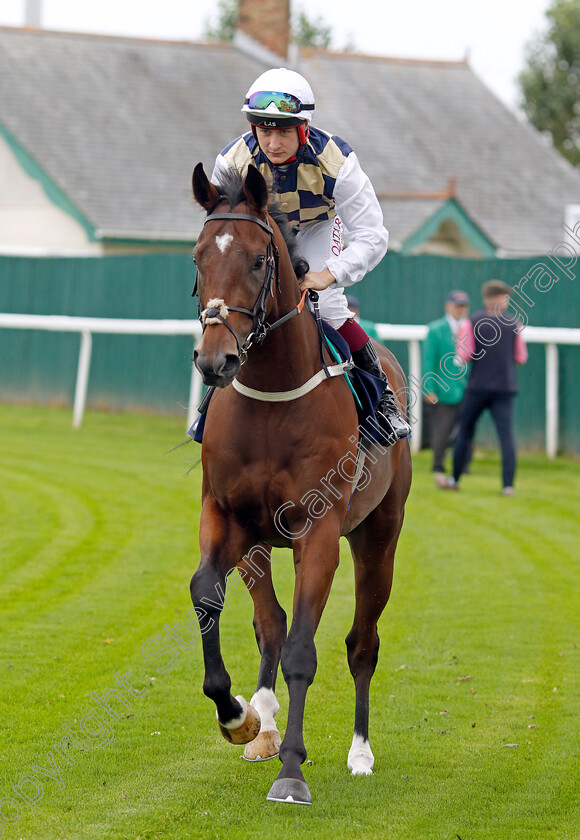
[244, 728]
[293, 791]
[360, 758]
[265, 746]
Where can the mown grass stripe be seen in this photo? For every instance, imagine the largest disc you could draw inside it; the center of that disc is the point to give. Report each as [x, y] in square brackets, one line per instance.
[481, 628]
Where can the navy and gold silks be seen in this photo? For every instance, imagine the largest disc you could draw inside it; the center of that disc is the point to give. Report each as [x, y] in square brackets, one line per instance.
[305, 187]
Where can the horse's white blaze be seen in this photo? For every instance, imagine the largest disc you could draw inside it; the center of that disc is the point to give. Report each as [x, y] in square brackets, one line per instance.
[265, 703]
[360, 758]
[223, 242]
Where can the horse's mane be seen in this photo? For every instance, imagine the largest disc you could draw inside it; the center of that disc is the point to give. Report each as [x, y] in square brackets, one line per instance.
[231, 188]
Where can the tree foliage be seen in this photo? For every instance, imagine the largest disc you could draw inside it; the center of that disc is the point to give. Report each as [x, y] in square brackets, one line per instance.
[227, 20]
[305, 31]
[311, 32]
[550, 82]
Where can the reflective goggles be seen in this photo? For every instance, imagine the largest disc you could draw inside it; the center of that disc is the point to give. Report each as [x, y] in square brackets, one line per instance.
[286, 103]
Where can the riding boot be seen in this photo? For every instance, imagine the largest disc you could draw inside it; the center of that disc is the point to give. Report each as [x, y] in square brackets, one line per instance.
[388, 412]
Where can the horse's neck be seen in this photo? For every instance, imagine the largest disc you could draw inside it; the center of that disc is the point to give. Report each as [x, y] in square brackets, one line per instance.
[290, 353]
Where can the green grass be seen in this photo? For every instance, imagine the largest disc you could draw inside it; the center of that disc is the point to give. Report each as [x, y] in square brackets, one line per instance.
[98, 539]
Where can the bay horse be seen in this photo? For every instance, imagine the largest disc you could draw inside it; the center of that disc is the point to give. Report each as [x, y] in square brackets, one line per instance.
[278, 458]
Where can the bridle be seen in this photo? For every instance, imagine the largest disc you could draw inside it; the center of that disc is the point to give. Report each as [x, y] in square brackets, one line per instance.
[217, 311]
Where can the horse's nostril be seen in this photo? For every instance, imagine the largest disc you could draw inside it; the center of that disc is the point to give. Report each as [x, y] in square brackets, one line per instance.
[230, 366]
[217, 369]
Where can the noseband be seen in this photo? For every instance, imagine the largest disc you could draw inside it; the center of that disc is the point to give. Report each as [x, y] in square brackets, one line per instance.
[217, 310]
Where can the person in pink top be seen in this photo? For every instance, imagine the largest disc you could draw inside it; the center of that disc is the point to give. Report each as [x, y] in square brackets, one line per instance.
[491, 341]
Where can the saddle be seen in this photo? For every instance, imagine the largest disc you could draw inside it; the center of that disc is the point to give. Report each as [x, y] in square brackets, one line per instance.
[367, 389]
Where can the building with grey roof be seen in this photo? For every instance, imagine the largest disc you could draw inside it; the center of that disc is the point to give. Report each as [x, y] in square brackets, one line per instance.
[99, 136]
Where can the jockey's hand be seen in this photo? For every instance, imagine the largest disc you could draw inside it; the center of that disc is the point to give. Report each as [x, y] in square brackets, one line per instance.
[317, 280]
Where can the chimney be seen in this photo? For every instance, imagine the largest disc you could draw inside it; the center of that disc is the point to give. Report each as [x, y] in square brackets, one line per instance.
[33, 14]
[266, 22]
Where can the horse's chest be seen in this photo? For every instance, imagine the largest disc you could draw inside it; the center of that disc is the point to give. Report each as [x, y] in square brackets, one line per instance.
[244, 487]
[265, 473]
[266, 496]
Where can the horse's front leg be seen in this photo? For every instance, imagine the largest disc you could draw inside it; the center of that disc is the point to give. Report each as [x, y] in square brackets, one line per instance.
[270, 629]
[223, 544]
[316, 560]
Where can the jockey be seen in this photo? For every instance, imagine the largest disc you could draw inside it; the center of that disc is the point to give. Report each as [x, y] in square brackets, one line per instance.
[324, 192]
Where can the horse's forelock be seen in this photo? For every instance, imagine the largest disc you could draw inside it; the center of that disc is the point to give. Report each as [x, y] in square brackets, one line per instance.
[231, 188]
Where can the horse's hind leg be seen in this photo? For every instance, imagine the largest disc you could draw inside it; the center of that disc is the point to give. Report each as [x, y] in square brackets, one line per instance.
[373, 546]
[270, 629]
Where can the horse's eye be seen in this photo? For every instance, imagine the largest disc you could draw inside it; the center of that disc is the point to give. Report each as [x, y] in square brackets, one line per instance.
[259, 263]
[194, 260]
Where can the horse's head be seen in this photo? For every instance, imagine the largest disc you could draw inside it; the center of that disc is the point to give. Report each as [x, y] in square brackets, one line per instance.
[236, 266]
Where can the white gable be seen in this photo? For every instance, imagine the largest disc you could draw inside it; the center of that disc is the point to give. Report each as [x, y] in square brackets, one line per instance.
[29, 221]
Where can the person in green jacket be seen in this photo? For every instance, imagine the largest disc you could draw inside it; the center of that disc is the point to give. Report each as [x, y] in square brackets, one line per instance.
[445, 375]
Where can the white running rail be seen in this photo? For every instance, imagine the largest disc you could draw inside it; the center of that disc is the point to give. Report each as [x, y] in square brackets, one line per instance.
[119, 326]
[551, 337]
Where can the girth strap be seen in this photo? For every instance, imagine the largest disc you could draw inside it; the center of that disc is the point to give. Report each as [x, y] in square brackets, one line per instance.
[295, 393]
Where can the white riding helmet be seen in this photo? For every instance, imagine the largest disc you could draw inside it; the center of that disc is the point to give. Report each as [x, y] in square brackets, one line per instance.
[279, 98]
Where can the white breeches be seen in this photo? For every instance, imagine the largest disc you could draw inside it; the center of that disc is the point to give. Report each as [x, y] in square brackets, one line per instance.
[317, 243]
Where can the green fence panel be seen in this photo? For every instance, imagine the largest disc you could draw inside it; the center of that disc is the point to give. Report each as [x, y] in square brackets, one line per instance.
[412, 290]
[153, 372]
[126, 371]
[569, 430]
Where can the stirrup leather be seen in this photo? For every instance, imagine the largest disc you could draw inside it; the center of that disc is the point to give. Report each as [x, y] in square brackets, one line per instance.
[388, 412]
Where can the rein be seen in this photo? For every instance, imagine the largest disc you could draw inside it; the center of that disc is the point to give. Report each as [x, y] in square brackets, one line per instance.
[217, 311]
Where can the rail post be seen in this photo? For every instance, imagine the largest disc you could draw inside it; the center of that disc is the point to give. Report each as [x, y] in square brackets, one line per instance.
[82, 384]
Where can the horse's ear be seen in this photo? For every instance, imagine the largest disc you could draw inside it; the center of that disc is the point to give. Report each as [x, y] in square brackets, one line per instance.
[256, 189]
[204, 192]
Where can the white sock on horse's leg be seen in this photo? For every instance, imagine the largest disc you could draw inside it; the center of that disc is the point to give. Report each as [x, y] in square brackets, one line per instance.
[360, 758]
[267, 744]
[265, 703]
